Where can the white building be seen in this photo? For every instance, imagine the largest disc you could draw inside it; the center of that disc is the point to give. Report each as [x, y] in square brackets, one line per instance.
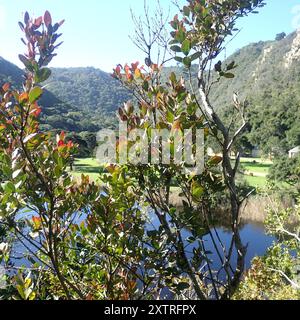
[294, 152]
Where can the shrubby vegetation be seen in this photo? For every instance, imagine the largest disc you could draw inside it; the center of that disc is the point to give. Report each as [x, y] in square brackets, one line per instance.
[276, 276]
[87, 240]
[286, 170]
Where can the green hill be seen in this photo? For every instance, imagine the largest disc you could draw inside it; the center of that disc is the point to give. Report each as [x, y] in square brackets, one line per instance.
[268, 76]
[76, 99]
[88, 89]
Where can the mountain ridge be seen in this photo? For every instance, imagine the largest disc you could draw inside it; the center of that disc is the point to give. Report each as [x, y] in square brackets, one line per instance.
[267, 75]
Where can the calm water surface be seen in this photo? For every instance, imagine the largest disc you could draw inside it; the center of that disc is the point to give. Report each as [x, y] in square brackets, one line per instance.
[253, 235]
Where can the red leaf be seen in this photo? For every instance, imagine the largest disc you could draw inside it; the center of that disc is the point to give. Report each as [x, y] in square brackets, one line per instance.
[127, 69]
[47, 18]
[37, 222]
[6, 87]
[23, 97]
[37, 112]
[62, 135]
[38, 22]
[135, 65]
[70, 144]
[118, 70]
[60, 143]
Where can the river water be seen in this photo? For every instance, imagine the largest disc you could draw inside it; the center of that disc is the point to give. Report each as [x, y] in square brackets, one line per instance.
[253, 235]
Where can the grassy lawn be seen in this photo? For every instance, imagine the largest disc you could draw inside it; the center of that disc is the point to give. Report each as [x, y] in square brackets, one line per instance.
[258, 160]
[87, 166]
[256, 182]
[256, 166]
[256, 170]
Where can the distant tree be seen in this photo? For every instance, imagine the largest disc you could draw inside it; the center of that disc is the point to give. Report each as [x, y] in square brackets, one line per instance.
[286, 170]
[280, 36]
[90, 139]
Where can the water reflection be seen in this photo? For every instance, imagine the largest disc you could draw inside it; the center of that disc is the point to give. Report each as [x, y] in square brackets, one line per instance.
[252, 233]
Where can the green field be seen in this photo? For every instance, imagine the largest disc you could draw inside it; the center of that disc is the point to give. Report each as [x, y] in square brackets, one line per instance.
[255, 170]
[256, 182]
[87, 166]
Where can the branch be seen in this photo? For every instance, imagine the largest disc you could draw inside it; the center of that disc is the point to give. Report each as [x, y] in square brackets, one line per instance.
[292, 283]
[236, 135]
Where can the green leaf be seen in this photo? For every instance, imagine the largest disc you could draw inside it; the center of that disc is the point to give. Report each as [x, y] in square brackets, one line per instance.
[35, 94]
[42, 75]
[186, 11]
[231, 66]
[170, 117]
[152, 233]
[183, 286]
[57, 171]
[197, 190]
[175, 48]
[180, 35]
[191, 239]
[215, 160]
[228, 75]
[27, 63]
[26, 17]
[173, 77]
[173, 42]
[218, 66]
[195, 56]
[146, 85]
[8, 187]
[187, 62]
[186, 47]
[178, 59]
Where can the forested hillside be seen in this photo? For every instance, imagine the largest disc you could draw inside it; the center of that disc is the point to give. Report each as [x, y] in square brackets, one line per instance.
[88, 89]
[77, 99]
[267, 75]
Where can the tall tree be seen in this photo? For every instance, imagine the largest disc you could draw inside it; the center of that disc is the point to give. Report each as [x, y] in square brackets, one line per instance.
[200, 31]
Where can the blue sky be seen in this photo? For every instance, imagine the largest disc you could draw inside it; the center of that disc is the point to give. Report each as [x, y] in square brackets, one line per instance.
[96, 31]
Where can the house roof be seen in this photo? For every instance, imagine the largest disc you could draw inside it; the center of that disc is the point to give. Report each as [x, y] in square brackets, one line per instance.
[296, 149]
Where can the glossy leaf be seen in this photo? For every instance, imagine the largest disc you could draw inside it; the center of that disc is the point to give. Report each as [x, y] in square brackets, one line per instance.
[47, 19]
[35, 94]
